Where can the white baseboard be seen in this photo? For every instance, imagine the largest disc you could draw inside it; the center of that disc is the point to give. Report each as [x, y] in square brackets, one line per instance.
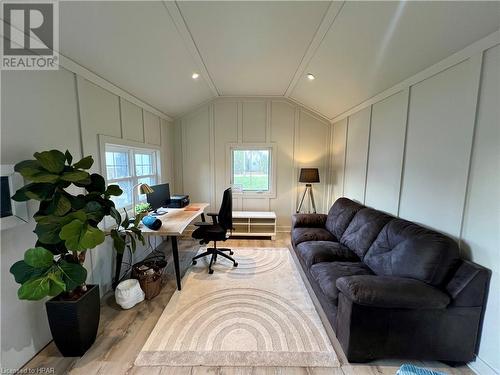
[480, 367]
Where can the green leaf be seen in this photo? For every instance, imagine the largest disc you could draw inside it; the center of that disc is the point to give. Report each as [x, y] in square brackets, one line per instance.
[22, 271]
[48, 232]
[34, 289]
[118, 241]
[44, 176]
[69, 157]
[80, 236]
[133, 243]
[78, 202]
[76, 176]
[37, 191]
[62, 205]
[113, 190]
[28, 167]
[56, 249]
[97, 184]
[115, 215]
[73, 274]
[94, 211]
[48, 227]
[52, 160]
[85, 163]
[138, 218]
[126, 221]
[56, 283]
[138, 234]
[38, 257]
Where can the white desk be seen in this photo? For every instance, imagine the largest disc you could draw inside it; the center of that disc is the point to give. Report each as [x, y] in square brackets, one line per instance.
[174, 222]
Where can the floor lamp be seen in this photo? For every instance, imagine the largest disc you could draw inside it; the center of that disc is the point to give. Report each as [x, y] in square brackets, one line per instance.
[308, 176]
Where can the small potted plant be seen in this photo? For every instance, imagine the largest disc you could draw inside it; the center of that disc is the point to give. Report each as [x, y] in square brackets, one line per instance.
[142, 208]
[66, 227]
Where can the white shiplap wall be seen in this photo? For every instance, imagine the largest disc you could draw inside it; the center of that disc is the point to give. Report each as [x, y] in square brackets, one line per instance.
[301, 137]
[60, 109]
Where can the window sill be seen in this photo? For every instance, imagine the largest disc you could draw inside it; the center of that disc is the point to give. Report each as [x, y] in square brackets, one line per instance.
[254, 194]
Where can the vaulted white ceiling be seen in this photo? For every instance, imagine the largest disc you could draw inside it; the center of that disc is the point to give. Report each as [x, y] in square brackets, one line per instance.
[355, 49]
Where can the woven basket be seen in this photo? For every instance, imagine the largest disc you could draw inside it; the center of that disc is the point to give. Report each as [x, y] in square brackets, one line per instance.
[151, 278]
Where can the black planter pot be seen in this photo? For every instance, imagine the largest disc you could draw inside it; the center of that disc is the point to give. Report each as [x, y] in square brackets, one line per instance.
[74, 324]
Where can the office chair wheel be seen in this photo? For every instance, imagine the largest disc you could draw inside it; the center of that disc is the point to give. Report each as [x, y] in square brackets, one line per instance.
[210, 271]
[235, 264]
[194, 262]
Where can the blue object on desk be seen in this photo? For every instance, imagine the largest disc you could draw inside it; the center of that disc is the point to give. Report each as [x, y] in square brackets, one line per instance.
[151, 222]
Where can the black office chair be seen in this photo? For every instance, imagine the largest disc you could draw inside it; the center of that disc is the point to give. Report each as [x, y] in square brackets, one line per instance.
[222, 223]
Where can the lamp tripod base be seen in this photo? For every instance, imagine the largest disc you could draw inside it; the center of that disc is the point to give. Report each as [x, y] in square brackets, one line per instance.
[308, 190]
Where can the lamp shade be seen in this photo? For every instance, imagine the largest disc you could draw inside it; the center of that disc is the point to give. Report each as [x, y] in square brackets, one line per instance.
[309, 175]
[145, 189]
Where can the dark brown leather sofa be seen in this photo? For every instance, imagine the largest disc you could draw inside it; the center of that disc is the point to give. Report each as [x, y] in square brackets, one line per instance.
[391, 288]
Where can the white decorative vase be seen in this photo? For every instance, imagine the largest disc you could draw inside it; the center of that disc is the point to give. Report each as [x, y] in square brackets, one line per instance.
[129, 293]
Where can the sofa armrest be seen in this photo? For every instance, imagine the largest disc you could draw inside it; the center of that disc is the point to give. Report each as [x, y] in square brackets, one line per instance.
[308, 220]
[469, 285]
[391, 292]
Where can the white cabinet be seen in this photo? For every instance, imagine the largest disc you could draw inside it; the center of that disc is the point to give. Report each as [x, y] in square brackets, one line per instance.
[254, 223]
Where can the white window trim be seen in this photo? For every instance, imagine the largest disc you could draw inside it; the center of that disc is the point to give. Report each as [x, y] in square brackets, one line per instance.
[130, 145]
[271, 193]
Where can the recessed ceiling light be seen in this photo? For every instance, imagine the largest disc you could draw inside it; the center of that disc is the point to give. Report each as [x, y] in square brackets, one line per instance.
[195, 75]
[310, 77]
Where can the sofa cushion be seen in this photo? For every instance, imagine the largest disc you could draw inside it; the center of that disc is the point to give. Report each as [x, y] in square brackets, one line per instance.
[308, 220]
[392, 292]
[406, 249]
[313, 252]
[327, 273]
[340, 215]
[311, 234]
[363, 229]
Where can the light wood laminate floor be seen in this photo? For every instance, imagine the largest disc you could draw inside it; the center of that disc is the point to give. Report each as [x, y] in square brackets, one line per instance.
[122, 333]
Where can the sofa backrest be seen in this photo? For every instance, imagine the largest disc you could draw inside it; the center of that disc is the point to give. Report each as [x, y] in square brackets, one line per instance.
[363, 229]
[406, 249]
[340, 215]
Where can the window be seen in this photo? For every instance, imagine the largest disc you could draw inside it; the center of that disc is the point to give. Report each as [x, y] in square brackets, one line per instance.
[128, 167]
[252, 169]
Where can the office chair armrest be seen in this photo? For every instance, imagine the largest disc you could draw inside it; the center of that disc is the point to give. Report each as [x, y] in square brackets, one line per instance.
[213, 215]
[202, 224]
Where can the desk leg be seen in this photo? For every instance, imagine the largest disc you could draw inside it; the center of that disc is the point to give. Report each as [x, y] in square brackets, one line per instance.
[203, 217]
[175, 252]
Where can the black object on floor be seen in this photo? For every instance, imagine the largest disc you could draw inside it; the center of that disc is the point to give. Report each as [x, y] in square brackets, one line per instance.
[74, 324]
[222, 223]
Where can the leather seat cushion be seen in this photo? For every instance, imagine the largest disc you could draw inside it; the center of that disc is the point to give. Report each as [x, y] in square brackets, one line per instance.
[363, 230]
[300, 235]
[392, 292]
[327, 273]
[340, 215]
[213, 232]
[406, 249]
[313, 252]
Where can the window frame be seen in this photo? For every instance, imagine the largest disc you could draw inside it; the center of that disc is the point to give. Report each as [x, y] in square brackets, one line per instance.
[271, 193]
[132, 148]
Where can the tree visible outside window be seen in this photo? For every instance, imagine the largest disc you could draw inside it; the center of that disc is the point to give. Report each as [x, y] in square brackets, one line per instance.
[250, 169]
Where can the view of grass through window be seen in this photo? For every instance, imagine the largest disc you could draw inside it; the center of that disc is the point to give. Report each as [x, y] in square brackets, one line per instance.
[251, 169]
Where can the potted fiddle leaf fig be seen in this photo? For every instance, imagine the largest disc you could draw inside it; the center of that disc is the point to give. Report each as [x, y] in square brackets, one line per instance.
[66, 228]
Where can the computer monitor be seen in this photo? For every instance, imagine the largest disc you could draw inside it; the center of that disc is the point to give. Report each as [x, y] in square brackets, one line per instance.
[160, 197]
